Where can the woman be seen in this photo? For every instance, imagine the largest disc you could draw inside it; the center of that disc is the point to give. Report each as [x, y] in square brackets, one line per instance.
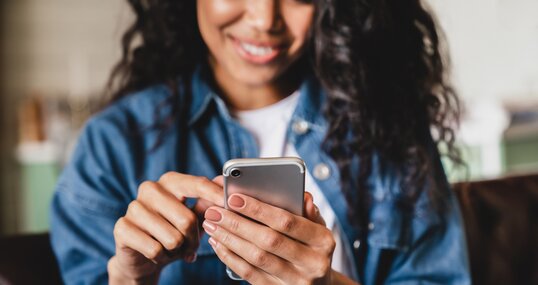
[352, 87]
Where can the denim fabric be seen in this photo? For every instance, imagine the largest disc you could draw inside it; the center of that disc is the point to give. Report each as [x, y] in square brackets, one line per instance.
[116, 152]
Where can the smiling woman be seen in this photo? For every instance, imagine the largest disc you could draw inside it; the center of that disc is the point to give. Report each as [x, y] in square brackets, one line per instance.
[351, 87]
[252, 45]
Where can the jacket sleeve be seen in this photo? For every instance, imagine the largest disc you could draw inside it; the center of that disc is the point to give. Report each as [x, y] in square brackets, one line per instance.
[90, 197]
[437, 253]
[425, 246]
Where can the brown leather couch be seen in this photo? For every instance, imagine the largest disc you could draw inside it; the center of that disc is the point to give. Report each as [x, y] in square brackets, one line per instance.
[501, 221]
[27, 259]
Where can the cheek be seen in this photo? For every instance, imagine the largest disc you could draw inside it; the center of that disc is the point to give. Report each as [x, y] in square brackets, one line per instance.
[299, 22]
[213, 16]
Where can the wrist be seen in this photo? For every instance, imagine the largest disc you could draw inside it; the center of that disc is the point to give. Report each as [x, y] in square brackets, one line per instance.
[116, 275]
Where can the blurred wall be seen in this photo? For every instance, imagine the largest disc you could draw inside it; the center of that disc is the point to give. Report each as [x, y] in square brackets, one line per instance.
[494, 47]
[67, 47]
[52, 48]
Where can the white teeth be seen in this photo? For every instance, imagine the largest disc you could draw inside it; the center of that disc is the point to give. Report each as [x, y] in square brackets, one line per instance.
[256, 50]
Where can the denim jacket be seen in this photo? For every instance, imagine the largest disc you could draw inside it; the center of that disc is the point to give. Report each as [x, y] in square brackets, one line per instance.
[116, 152]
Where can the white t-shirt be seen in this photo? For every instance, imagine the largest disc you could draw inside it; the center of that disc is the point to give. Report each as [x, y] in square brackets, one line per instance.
[268, 125]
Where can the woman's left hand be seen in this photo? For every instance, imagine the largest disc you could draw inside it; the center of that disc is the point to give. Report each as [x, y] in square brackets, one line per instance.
[282, 248]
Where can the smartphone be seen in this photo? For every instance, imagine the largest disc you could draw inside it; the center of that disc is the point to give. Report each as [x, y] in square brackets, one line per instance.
[276, 181]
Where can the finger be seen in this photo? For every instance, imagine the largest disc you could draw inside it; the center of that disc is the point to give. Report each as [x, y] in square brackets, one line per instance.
[262, 236]
[201, 205]
[158, 200]
[260, 258]
[129, 237]
[312, 211]
[154, 225]
[219, 180]
[241, 267]
[183, 185]
[294, 226]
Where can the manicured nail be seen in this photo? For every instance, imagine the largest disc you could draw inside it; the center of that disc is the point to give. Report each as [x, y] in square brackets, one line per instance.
[212, 242]
[213, 215]
[209, 227]
[236, 201]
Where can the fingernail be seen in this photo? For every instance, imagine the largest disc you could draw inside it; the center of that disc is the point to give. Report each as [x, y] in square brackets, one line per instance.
[236, 201]
[213, 215]
[209, 227]
[212, 242]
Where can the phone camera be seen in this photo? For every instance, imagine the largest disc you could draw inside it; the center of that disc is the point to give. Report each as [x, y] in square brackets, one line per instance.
[236, 173]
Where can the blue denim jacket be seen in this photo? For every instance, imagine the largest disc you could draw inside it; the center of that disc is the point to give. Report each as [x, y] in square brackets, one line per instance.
[115, 153]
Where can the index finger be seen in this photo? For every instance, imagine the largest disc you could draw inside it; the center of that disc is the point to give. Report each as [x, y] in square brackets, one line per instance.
[296, 227]
[189, 186]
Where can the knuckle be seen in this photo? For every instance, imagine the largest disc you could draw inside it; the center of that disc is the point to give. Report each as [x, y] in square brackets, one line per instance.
[190, 218]
[304, 281]
[173, 242]
[255, 210]
[146, 187]
[323, 267]
[272, 241]
[234, 225]
[134, 208]
[330, 243]
[260, 258]
[167, 176]
[226, 239]
[186, 220]
[153, 251]
[200, 181]
[287, 223]
[247, 273]
[119, 228]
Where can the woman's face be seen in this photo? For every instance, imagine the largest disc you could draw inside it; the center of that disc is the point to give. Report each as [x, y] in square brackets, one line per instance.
[253, 42]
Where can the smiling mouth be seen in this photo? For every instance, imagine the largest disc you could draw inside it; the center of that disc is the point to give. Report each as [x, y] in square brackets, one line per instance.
[257, 53]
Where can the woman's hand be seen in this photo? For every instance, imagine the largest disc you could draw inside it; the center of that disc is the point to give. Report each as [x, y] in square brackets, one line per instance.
[159, 228]
[281, 249]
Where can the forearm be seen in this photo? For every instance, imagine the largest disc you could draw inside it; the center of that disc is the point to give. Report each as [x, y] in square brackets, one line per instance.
[340, 279]
[116, 276]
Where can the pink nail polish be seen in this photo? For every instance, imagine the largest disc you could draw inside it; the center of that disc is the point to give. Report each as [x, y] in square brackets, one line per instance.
[213, 215]
[212, 242]
[236, 201]
[209, 227]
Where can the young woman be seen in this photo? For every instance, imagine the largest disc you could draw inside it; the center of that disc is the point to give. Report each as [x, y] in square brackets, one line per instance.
[355, 88]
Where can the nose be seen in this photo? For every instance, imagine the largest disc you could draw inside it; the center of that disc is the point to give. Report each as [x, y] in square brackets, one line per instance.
[264, 15]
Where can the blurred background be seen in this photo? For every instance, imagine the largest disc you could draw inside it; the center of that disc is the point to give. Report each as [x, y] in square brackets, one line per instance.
[56, 56]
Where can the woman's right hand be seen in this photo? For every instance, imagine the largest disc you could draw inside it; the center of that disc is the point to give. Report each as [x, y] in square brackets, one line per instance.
[159, 228]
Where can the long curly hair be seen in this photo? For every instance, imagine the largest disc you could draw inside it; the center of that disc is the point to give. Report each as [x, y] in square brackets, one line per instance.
[380, 62]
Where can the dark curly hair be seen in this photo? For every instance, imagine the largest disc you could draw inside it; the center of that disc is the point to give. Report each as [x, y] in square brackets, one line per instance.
[380, 62]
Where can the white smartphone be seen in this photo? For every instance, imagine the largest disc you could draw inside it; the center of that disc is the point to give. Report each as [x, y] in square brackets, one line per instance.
[276, 181]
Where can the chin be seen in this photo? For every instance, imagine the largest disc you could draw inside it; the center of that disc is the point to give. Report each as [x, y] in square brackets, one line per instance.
[257, 78]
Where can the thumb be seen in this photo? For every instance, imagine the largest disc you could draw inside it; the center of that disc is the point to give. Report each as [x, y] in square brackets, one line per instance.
[202, 205]
[311, 210]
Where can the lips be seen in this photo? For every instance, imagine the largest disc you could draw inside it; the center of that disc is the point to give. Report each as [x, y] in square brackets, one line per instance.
[256, 52]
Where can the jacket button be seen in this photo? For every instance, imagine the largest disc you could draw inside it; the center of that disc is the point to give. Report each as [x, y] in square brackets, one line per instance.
[371, 226]
[300, 127]
[322, 171]
[356, 244]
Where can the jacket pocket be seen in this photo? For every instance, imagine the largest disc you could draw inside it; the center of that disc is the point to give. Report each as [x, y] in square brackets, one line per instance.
[389, 228]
